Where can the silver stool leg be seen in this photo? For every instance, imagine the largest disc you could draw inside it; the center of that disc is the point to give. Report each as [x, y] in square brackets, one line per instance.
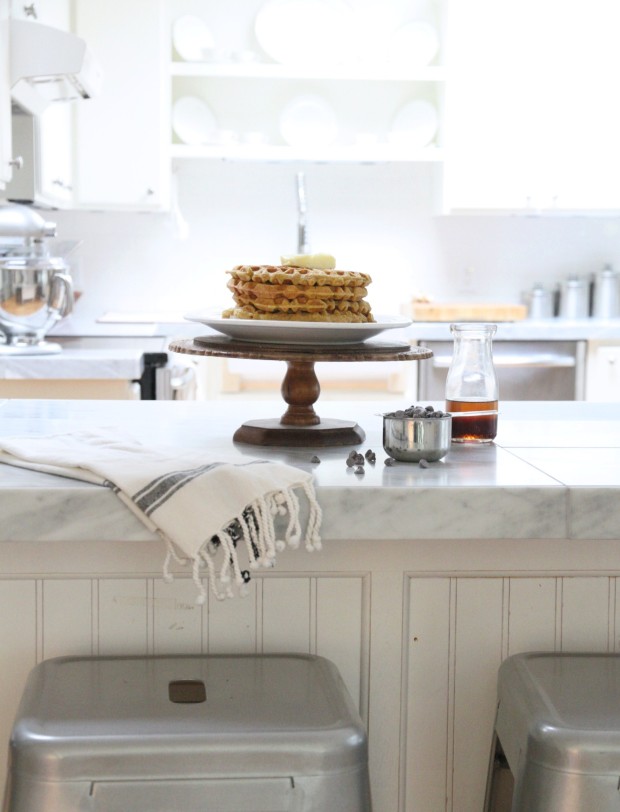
[500, 781]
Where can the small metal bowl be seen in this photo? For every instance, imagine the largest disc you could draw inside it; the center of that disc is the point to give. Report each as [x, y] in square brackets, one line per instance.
[411, 439]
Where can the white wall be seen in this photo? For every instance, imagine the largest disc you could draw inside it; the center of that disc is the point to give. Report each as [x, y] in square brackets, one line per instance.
[374, 218]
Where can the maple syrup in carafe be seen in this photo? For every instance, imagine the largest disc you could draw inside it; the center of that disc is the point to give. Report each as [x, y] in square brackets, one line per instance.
[473, 422]
[471, 386]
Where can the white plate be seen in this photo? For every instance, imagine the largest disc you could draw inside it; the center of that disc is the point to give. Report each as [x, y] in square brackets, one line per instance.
[192, 38]
[193, 121]
[303, 31]
[308, 121]
[415, 124]
[413, 45]
[297, 332]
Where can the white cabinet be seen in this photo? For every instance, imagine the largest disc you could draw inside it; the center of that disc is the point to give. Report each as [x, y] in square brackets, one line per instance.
[56, 13]
[121, 156]
[603, 371]
[371, 96]
[6, 152]
[109, 151]
[530, 115]
[44, 142]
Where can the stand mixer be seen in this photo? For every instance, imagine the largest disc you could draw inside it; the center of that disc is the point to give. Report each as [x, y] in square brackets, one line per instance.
[36, 289]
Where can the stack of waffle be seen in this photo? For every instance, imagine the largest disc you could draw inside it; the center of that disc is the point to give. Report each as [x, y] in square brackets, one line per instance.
[291, 293]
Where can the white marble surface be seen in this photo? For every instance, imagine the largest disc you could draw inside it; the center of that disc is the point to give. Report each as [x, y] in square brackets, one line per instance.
[112, 363]
[555, 329]
[553, 473]
[111, 349]
[527, 329]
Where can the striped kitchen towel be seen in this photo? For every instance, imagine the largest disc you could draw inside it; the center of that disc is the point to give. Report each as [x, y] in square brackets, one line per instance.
[211, 513]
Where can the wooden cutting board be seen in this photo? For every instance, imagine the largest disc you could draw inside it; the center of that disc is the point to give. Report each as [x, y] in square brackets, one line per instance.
[470, 311]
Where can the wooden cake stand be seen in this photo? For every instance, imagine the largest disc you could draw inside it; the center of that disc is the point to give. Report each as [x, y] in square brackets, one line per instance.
[300, 425]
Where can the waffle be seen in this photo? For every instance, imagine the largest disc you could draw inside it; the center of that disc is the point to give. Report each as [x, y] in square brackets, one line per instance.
[293, 293]
[303, 305]
[248, 312]
[288, 274]
[268, 290]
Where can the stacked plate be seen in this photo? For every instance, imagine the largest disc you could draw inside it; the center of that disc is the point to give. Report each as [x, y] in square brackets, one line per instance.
[308, 121]
[192, 38]
[415, 124]
[192, 121]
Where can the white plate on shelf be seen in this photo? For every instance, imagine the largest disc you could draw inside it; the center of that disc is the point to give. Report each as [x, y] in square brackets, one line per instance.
[192, 120]
[293, 32]
[308, 121]
[415, 124]
[413, 45]
[297, 332]
[192, 38]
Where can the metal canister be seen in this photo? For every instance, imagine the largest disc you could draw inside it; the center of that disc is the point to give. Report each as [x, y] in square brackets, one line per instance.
[574, 298]
[539, 302]
[606, 294]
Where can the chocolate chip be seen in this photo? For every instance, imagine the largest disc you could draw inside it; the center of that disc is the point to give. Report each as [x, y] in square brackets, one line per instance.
[389, 461]
[359, 470]
[315, 459]
[423, 463]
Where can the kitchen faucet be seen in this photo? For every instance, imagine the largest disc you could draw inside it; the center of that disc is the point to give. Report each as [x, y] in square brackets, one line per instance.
[302, 235]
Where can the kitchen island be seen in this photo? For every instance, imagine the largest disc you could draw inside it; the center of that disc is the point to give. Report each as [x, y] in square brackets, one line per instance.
[428, 577]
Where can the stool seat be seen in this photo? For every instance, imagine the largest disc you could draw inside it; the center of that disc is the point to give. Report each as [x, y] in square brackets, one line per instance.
[558, 725]
[191, 732]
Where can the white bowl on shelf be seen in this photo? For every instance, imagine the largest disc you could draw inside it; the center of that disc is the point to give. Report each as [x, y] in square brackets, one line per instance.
[308, 121]
[415, 124]
[192, 38]
[192, 121]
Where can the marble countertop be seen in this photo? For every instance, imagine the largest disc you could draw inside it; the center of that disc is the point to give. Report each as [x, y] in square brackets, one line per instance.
[553, 473]
[555, 329]
[170, 325]
[111, 363]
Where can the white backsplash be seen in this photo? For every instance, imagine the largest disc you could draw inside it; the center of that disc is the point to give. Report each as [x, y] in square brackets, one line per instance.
[375, 218]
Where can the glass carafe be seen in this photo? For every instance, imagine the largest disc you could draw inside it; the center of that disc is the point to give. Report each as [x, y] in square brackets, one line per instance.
[471, 386]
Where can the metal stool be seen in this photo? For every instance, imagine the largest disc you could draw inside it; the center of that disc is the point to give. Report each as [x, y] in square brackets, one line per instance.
[198, 733]
[556, 735]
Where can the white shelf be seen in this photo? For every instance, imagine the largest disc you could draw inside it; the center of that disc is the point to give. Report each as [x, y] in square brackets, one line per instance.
[263, 70]
[382, 153]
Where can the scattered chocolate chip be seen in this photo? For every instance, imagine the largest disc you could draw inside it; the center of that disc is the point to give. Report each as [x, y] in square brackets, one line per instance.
[389, 461]
[359, 470]
[315, 459]
[350, 462]
[371, 456]
[423, 463]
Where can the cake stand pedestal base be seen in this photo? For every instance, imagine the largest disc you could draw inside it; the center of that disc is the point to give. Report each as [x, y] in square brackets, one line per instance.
[328, 432]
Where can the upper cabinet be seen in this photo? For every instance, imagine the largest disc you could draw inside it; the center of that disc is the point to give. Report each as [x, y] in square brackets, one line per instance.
[309, 80]
[121, 156]
[6, 150]
[109, 151]
[530, 118]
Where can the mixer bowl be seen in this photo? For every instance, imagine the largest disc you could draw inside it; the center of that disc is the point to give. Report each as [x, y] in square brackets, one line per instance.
[34, 295]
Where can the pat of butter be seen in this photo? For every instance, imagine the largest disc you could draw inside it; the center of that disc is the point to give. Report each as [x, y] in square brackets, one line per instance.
[323, 262]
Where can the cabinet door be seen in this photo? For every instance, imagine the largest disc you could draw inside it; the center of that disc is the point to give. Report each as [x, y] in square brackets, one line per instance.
[56, 13]
[603, 372]
[5, 97]
[529, 108]
[120, 153]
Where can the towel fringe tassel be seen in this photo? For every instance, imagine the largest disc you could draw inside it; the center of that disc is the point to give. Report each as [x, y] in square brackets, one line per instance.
[256, 528]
